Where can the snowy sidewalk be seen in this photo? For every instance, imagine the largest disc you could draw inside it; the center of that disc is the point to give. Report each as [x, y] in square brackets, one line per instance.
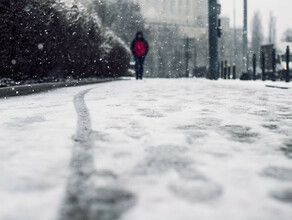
[177, 149]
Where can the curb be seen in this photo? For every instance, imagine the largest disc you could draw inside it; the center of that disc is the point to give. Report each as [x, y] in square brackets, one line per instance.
[44, 87]
[277, 87]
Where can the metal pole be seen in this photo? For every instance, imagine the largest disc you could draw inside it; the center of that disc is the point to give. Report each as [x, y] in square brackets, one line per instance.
[245, 40]
[222, 69]
[225, 69]
[213, 39]
[187, 56]
[234, 71]
[234, 33]
[263, 66]
[254, 66]
[287, 64]
[273, 78]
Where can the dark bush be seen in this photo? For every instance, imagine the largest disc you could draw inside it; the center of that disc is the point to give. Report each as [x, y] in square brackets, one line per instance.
[58, 39]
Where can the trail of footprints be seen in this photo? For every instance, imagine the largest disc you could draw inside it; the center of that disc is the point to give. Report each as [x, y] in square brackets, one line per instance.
[194, 186]
[280, 174]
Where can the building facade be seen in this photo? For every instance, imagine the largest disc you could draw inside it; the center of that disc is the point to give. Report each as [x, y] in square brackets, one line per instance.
[184, 12]
[191, 16]
[230, 45]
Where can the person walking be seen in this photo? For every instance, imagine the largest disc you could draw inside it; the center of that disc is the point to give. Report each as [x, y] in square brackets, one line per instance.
[140, 50]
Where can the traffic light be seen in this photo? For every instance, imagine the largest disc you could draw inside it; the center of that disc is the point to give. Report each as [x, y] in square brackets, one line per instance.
[218, 9]
[219, 29]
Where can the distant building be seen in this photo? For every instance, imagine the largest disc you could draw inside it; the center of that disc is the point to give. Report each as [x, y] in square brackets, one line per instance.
[179, 31]
[191, 16]
[231, 44]
[190, 19]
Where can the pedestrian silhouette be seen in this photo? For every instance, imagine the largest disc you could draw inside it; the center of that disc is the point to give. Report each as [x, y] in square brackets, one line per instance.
[140, 50]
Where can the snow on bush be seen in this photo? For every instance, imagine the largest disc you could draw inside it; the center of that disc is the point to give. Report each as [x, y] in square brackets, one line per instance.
[59, 39]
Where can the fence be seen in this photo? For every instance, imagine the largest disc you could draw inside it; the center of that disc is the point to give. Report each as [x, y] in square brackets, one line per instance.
[268, 63]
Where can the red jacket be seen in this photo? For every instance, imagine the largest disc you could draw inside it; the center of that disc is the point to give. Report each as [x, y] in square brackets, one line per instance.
[140, 47]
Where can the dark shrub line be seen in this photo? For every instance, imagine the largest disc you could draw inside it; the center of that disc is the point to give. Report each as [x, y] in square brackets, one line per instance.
[56, 39]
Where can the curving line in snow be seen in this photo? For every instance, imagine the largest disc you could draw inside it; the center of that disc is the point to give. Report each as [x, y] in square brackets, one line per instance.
[84, 199]
[75, 205]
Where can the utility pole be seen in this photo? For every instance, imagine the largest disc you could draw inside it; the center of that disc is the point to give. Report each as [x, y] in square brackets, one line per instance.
[234, 34]
[213, 38]
[245, 40]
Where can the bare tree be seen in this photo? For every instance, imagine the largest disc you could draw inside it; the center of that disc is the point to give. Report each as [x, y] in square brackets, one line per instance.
[123, 17]
[272, 29]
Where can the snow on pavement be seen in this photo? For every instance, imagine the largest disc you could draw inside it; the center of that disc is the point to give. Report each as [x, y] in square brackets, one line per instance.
[156, 149]
[35, 151]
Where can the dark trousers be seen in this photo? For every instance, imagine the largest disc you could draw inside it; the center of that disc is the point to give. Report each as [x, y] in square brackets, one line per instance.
[139, 67]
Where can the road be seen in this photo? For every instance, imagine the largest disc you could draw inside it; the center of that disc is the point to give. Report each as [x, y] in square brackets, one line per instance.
[175, 149]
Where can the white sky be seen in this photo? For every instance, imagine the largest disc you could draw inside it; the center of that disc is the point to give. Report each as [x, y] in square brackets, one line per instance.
[282, 10]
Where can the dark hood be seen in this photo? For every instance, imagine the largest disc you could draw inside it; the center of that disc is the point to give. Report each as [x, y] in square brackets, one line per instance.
[139, 33]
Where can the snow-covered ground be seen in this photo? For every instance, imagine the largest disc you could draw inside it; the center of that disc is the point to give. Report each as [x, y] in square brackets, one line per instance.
[177, 149]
